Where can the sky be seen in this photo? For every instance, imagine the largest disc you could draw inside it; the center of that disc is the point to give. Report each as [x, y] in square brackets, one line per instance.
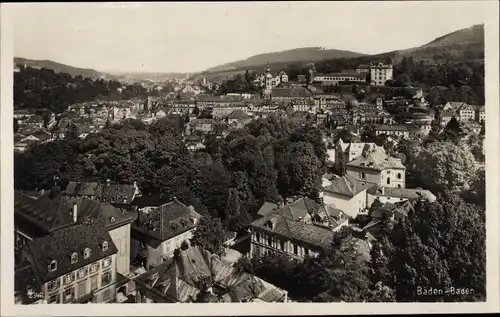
[191, 37]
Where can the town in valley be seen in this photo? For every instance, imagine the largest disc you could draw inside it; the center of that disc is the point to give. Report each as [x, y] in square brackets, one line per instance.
[358, 178]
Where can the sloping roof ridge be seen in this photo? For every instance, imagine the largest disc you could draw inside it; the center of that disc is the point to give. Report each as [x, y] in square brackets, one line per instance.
[58, 214]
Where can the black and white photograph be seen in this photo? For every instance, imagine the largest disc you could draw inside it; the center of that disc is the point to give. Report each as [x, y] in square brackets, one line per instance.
[250, 152]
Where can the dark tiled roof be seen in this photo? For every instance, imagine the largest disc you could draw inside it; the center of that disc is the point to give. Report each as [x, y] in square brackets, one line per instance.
[347, 185]
[330, 216]
[51, 214]
[408, 193]
[306, 234]
[42, 135]
[238, 115]
[61, 244]
[267, 208]
[113, 193]
[167, 221]
[182, 278]
[393, 127]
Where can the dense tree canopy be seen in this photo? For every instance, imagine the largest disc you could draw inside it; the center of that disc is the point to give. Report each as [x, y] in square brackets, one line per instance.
[439, 245]
[229, 181]
[441, 165]
[46, 89]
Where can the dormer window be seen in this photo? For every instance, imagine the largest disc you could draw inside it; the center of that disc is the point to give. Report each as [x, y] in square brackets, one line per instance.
[53, 266]
[74, 258]
[105, 246]
[86, 253]
[112, 219]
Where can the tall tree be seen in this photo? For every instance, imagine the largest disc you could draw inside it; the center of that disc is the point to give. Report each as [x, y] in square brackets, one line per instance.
[209, 235]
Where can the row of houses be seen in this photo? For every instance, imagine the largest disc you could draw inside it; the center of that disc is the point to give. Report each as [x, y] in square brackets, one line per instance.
[103, 242]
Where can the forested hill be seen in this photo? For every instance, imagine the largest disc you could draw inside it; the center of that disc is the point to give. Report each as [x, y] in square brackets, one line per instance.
[61, 68]
[304, 54]
[46, 89]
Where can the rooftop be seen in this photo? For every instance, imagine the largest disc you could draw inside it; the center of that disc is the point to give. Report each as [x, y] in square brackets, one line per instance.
[60, 245]
[167, 220]
[347, 185]
[376, 160]
[186, 276]
[407, 193]
[52, 213]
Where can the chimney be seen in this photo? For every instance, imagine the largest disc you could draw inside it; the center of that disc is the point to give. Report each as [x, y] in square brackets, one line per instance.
[108, 182]
[75, 212]
[174, 198]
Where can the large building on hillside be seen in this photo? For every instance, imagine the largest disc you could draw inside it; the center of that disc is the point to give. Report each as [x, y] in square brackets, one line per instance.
[379, 73]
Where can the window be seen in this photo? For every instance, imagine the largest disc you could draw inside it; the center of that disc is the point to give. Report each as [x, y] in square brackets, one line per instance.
[54, 298]
[363, 175]
[399, 186]
[257, 237]
[86, 253]
[399, 175]
[295, 249]
[388, 180]
[282, 245]
[82, 288]
[106, 295]
[53, 266]
[106, 278]
[94, 267]
[269, 240]
[106, 262]
[74, 258]
[306, 251]
[52, 285]
[69, 294]
[105, 246]
[68, 278]
[93, 283]
[82, 272]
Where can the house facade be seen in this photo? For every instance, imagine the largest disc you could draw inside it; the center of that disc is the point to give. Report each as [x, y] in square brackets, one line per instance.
[76, 264]
[347, 194]
[376, 167]
[161, 230]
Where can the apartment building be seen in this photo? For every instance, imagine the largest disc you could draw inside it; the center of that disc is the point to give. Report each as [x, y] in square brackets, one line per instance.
[76, 264]
[38, 217]
[379, 73]
[301, 228]
[163, 229]
[377, 167]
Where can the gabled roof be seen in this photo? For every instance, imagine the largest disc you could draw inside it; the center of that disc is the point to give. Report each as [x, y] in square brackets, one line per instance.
[376, 160]
[167, 221]
[113, 193]
[407, 193]
[330, 215]
[238, 115]
[53, 214]
[267, 208]
[307, 234]
[347, 185]
[61, 244]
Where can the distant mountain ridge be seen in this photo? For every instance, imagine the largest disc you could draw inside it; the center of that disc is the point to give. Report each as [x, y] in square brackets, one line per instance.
[465, 43]
[305, 54]
[61, 68]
